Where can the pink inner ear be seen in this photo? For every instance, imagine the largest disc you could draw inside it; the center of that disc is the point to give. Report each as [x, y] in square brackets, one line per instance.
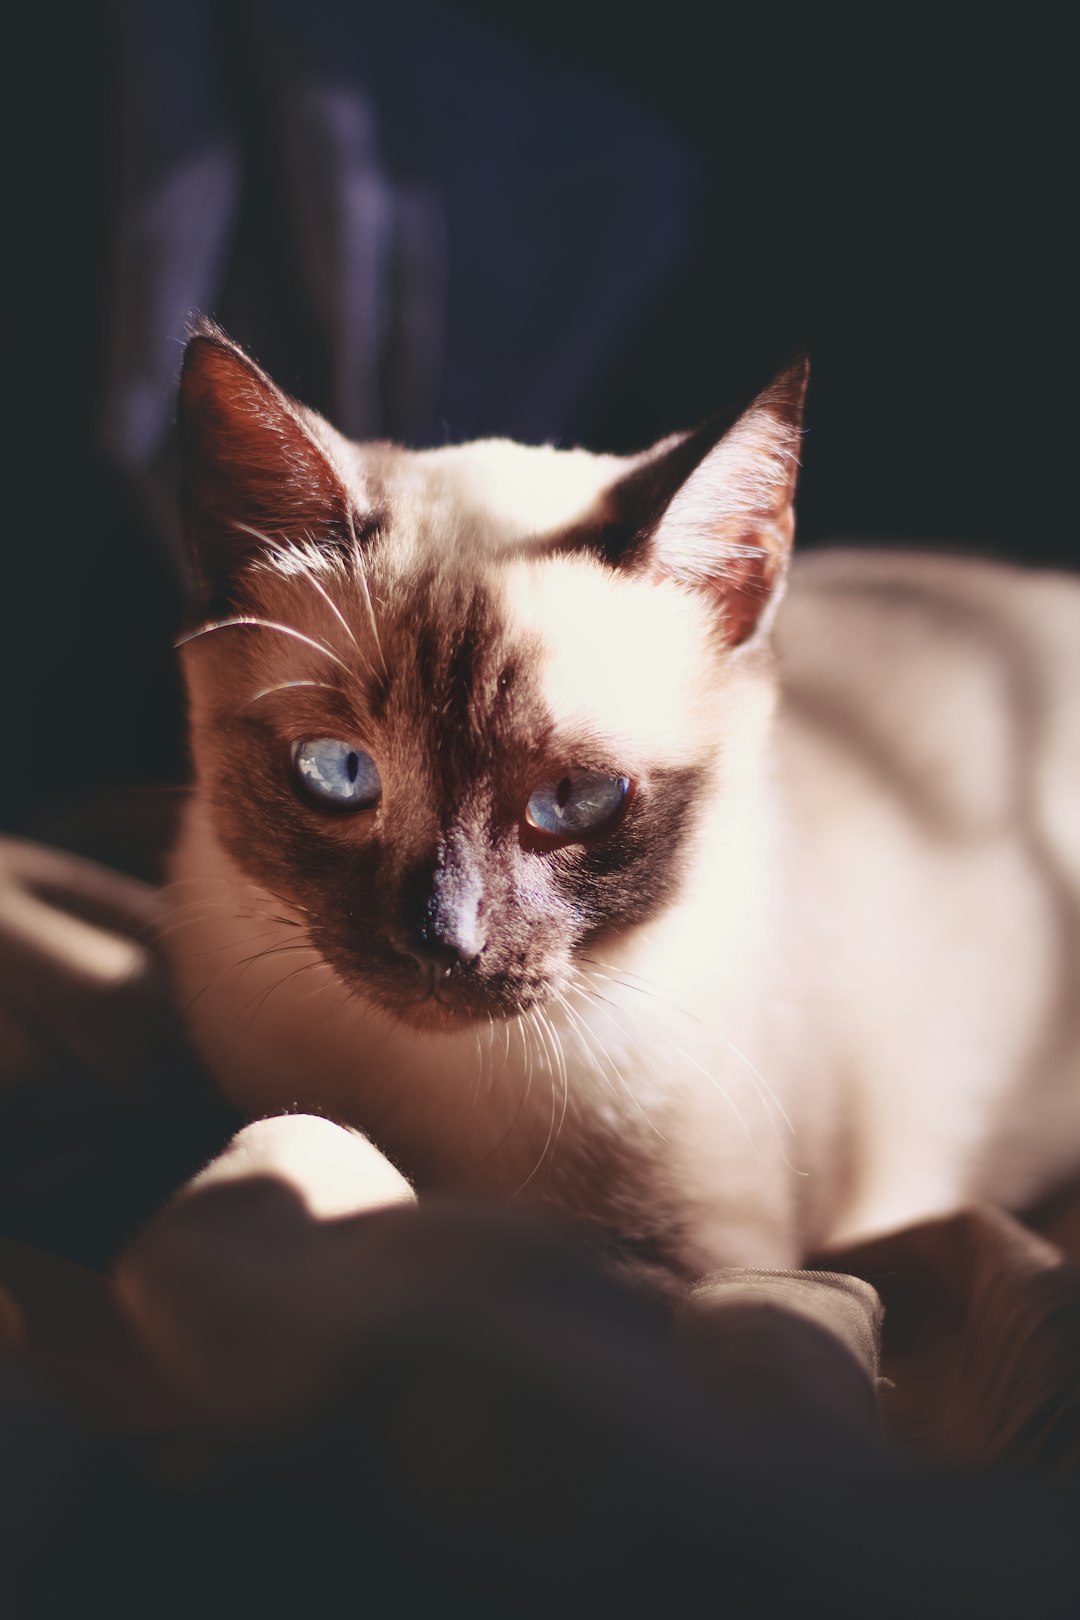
[248, 460]
[713, 509]
[728, 530]
[750, 574]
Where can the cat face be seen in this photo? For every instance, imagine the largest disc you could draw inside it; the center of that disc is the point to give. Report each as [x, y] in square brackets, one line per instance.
[463, 709]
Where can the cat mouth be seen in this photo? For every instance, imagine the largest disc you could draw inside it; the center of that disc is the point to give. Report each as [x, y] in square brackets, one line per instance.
[434, 1011]
[455, 1002]
[449, 1010]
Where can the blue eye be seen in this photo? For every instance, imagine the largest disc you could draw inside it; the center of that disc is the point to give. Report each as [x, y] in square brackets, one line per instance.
[577, 803]
[336, 773]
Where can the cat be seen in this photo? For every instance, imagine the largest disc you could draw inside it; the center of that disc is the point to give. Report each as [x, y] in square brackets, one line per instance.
[531, 835]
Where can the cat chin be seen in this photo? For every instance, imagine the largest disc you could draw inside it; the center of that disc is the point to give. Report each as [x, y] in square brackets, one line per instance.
[429, 1014]
[433, 1015]
[449, 1010]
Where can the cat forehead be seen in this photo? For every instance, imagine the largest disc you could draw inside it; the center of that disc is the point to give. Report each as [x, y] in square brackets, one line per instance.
[628, 658]
[464, 574]
[627, 661]
[492, 490]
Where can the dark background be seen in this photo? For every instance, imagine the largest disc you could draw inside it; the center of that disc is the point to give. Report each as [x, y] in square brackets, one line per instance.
[634, 215]
[643, 211]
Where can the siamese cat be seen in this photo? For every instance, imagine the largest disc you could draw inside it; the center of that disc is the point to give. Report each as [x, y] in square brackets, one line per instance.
[531, 834]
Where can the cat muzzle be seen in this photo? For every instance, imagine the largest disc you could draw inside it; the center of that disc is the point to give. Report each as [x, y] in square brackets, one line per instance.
[435, 961]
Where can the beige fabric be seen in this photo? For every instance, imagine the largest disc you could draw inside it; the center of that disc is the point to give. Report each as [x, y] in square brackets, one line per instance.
[981, 1350]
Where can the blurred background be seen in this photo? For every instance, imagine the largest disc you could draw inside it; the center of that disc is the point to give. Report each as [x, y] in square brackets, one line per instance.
[432, 220]
[435, 220]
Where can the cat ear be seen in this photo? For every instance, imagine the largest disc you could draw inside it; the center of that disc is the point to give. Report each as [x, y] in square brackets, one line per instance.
[252, 471]
[714, 510]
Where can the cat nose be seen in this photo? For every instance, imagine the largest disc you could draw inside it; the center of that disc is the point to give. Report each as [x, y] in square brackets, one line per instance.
[433, 958]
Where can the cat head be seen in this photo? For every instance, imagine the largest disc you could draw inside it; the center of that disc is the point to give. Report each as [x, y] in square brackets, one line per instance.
[465, 709]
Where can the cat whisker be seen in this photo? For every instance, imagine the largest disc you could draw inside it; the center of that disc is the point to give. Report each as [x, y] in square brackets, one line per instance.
[282, 686]
[263, 996]
[361, 578]
[278, 553]
[761, 1085]
[245, 621]
[243, 964]
[645, 987]
[335, 610]
[331, 977]
[564, 1073]
[526, 1052]
[157, 934]
[249, 904]
[587, 1035]
[206, 882]
[689, 1058]
[285, 901]
[490, 1055]
[255, 891]
[248, 962]
[529, 1016]
[249, 939]
[210, 905]
[762, 1089]
[487, 1059]
[595, 1053]
[553, 1056]
[516, 1023]
[479, 1067]
[210, 910]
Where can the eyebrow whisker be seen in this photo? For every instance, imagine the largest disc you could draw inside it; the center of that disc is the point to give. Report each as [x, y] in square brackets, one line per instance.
[284, 686]
[246, 621]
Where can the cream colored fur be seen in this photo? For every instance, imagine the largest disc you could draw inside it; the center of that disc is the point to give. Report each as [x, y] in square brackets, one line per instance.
[860, 1008]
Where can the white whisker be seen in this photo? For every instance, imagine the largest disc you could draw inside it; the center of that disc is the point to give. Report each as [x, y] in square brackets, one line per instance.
[246, 621]
[563, 1073]
[283, 686]
[263, 996]
[278, 554]
[587, 1035]
[530, 1018]
[761, 1085]
[361, 576]
[689, 1058]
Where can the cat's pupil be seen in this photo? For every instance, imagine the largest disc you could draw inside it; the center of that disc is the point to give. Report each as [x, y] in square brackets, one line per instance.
[563, 792]
[329, 771]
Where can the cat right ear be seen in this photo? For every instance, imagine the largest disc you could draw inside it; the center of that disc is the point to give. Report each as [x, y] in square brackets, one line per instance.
[253, 474]
[714, 510]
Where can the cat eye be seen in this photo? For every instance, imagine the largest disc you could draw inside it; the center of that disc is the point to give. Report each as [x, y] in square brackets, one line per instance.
[577, 803]
[337, 774]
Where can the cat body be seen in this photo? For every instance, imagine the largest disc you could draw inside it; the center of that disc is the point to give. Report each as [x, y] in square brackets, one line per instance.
[801, 967]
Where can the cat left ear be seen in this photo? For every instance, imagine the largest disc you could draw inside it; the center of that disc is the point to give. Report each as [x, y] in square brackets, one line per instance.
[715, 510]
[254, 475]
